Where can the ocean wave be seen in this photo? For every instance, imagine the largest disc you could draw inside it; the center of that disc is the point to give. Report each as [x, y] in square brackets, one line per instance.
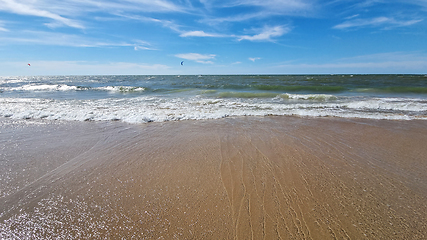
[121, 89]
[314, 97]
[285, 96]
[300, 88]
[64, 87]
[157, 109]
[389, 104]
[416, 90]
[10, 80]
[44, 87]
[137, 99]
[246, 95]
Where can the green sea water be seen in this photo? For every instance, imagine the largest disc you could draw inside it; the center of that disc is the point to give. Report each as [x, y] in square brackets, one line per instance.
[164, 98]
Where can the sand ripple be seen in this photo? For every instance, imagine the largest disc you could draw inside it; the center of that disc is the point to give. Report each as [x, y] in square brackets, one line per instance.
[243, 178]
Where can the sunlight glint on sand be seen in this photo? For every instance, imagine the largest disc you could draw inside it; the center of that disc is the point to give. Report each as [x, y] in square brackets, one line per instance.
[234, 178]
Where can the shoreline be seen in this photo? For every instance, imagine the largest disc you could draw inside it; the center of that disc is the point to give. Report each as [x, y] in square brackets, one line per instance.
[241, 177]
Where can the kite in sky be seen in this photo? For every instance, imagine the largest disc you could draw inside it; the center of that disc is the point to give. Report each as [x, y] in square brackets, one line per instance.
[182, 63]
[29, 65]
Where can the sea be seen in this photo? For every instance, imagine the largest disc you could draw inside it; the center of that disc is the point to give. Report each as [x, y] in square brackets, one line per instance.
[142, 98]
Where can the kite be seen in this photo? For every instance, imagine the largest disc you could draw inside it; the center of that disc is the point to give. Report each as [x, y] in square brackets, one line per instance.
[29, 65]
[182, 63]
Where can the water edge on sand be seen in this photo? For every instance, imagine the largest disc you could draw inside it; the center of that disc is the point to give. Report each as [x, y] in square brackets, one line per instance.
[232, 178]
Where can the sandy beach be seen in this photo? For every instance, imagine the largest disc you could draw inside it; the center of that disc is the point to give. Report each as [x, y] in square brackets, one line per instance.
[232, 178]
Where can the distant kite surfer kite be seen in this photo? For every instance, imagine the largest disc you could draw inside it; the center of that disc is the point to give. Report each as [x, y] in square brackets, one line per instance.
[29, 65]
[182, 63]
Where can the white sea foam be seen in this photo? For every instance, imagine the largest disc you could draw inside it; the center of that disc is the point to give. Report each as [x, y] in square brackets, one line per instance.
[64, 87]
[123, 89]
[391, 104]
[138, 99]
[316, 97]
[44, 87]
[147, 109]
[10, 80]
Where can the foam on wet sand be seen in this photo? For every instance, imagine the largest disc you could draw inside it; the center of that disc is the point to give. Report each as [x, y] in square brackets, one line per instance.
[233, 178]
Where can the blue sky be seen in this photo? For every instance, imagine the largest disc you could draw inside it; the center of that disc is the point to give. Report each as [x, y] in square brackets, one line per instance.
[70, 37]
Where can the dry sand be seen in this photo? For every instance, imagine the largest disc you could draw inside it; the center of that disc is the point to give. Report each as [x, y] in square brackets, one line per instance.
[234, 178]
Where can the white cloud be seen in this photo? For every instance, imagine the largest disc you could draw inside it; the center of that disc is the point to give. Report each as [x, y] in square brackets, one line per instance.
[254, 59]
[197, 57]
[69, 40]
[157, 5]
[2, 28]
[292, 4]
[376, 22]
[26, 8]
[255, 9]
[166, 23]
[368, 3]
[139, 47]
[72, 13]
[200, 34]
[288, 7]
[266, 34]
[142, 45]
[65, 12]
[234, 18]
[422, 3]
[365, 5]
[353, 16]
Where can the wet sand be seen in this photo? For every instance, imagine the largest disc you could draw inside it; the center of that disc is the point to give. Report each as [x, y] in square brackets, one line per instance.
[234, 178]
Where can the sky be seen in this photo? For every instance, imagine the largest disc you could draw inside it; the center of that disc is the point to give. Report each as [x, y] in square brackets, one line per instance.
[153, 37]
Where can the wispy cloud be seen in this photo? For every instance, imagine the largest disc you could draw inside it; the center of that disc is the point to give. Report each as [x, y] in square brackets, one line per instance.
[26, 8]
[156, 5]
[376, 22]
[74, 13]
[267, 33]
[255, 9]
[2, 28]
[213, 20]
[65, 12]
[352, 17]
[264, 34]
[421, 3]
[254, 59]
[142, 45]
[289, 7]
[70, 40]
[369, 4]
[165, 23]
[197, 57]
[200, 34]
